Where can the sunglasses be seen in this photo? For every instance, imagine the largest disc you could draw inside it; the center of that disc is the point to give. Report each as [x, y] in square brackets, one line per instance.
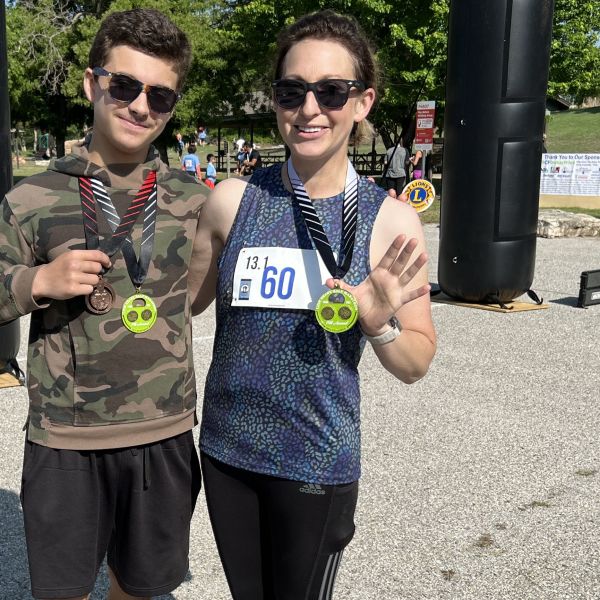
[330, 93]
[124, 88]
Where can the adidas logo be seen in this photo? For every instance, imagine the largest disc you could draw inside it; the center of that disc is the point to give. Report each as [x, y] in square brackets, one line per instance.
[312, 488]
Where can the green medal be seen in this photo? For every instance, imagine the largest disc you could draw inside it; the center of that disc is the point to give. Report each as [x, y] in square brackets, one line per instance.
[139, 313]
[337, 310]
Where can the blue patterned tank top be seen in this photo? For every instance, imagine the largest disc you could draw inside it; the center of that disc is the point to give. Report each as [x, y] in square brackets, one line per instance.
[282, 394]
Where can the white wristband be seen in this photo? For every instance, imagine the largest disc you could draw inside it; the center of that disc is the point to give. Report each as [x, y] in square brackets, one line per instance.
[386, 337]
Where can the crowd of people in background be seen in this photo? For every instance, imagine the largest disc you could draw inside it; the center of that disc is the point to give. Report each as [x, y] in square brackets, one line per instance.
[248, 158]
[400, 165]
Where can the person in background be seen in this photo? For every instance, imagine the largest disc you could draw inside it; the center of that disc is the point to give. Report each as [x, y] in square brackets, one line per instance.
[252, 161]
[240, 154]
[396, 159]
[190, 163]
[211, 172]
[416, 160]
[202, 133]
[179, 145]
[280, 434]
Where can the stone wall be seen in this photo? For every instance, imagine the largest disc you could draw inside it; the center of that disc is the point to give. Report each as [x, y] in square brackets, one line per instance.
[554, 223]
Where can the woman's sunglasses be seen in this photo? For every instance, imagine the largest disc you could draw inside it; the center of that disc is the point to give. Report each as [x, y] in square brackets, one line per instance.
[330, 93]
[124, 88]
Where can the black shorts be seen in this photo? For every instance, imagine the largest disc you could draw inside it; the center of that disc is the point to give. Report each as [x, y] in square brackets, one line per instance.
[394, 183]
[278, 538]
[132, 504]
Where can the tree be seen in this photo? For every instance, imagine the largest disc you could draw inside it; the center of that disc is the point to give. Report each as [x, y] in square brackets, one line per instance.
[575, 53]
[49, 43]
[234, 44]
[409, 37]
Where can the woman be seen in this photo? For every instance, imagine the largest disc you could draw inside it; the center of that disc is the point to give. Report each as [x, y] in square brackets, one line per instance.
[280, 437]
[416, 160]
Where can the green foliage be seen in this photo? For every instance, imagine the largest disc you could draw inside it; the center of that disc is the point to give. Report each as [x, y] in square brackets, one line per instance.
[575, 53]
[233, 47]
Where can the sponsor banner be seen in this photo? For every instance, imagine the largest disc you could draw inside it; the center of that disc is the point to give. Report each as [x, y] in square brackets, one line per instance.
[570, 174]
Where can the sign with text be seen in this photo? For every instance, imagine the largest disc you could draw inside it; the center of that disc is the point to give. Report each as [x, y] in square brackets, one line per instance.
[570, 174]
[424, 132]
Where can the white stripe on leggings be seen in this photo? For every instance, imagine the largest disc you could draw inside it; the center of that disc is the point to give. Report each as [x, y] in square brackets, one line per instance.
[333, 562]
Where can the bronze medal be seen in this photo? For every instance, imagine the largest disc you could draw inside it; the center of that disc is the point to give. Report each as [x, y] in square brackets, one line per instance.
[100, 301]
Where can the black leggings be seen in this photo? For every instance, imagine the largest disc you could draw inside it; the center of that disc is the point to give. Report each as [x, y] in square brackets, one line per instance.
[278, 539]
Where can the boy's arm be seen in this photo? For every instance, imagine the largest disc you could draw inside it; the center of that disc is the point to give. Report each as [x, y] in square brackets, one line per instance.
[25, 286]
[17, 269]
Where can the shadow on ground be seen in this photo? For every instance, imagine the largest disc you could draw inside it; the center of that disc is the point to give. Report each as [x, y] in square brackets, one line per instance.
[14, 573]
[566, 301]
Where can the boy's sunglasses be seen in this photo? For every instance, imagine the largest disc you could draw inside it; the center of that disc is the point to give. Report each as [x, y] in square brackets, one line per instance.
[330, 93]
[124, 88]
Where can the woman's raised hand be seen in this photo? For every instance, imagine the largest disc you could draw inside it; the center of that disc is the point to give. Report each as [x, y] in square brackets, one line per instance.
[387, 288]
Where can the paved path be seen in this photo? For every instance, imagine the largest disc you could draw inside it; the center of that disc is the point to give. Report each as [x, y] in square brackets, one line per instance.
[481, 482]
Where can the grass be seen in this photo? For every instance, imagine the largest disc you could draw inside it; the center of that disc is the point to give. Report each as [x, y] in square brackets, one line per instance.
[574, 131]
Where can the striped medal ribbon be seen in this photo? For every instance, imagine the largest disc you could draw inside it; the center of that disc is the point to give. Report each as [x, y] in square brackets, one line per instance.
[139, 310]
[336, 310]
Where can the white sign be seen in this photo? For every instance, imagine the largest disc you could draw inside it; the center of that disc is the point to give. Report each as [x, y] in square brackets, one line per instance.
[570, 174]
[424, 133]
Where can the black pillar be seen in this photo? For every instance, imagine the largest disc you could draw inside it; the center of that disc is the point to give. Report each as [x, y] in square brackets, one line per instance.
[498, 58]
[9, 332]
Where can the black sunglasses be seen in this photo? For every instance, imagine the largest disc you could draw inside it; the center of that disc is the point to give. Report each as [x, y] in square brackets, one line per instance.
[330, 93]
[124, 88]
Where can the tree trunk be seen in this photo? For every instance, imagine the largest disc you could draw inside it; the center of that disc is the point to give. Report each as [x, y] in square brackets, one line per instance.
[59, 129]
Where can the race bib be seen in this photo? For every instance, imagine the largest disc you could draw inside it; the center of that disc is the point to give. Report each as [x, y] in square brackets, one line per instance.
[279, 278]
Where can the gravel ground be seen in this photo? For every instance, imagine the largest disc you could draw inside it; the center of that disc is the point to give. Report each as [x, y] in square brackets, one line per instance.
[480, 482]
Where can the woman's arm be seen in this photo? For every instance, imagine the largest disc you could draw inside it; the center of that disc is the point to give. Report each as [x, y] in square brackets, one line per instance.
[214, 224]
[398, 286]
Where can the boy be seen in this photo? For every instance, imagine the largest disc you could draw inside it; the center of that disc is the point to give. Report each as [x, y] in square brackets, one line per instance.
[191, 163]
[211, 172]
[110, 465]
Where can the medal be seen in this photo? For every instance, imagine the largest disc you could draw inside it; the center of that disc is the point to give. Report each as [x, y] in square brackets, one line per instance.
[139, 313]
[100, 301]
[337, 310]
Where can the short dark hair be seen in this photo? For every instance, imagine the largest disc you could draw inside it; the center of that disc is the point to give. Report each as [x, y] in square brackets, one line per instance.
[146, 30]
[209, 157]
[192, 148]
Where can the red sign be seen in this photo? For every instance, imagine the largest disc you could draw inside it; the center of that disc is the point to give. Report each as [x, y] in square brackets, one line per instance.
[425, 118]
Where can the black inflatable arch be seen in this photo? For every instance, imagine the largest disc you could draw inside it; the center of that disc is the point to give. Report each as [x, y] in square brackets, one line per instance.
[497, 76]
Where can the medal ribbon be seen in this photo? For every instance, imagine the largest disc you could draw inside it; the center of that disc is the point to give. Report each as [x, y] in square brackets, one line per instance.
[92, 192]
[313, 223]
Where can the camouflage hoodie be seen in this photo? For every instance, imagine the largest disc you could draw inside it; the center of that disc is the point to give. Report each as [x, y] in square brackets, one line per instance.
[92, 383]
